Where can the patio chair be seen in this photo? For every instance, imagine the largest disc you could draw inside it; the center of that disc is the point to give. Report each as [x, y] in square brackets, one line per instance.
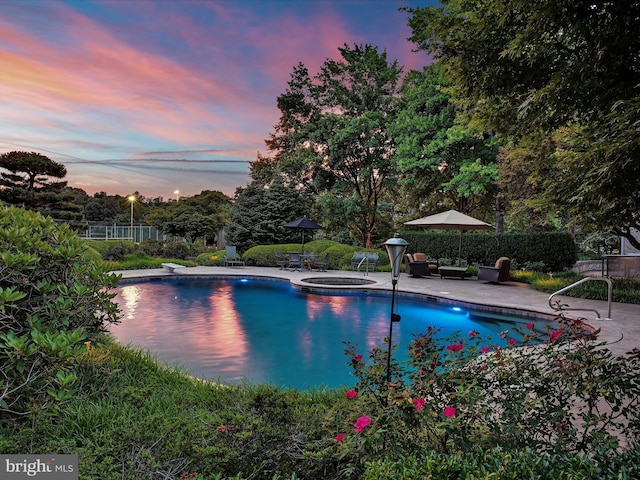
[281, 260]
[422, 257]
[295, 261]
[232, 259]
[322, 263]
[416, 268]
[496, 274]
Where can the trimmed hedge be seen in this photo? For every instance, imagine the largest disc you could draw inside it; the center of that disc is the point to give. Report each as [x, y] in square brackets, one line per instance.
[339, 254]
[556, 250]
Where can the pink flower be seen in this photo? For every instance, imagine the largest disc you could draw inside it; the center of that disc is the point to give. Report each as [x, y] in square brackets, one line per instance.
[361, 424]
[351, 394]
[449, 412]
[473, 333]
[529, 326]
[419, 403]
[512, 341]
[340, 437]
[555, 335]
[484, 349]
[357, 358]
[456, 347]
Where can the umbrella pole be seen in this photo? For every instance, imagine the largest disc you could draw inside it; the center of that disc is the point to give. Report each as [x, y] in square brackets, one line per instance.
[460, 248]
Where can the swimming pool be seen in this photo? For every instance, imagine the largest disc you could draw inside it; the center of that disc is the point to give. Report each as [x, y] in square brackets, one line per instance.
[268, 331]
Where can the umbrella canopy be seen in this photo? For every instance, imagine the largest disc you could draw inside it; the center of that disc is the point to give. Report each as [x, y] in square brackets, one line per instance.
[452, 220]
[303, 223]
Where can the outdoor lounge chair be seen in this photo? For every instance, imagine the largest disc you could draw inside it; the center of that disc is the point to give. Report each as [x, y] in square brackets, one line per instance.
[232, 259]
[416, 268]
[321, 263]
[281, 260]
[422, 257]
[295, 261]
[496, 274]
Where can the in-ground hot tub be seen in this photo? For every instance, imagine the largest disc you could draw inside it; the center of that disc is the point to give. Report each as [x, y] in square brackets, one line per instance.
[338, 281]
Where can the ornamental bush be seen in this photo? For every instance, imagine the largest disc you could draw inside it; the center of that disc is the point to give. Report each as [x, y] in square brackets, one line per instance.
[552, 392]
[54, 297]
[211, 259]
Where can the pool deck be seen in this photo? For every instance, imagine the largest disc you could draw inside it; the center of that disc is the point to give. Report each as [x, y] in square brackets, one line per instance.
[621, 332]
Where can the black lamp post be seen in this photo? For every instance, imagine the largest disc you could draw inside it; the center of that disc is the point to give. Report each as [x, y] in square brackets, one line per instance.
[395, 249]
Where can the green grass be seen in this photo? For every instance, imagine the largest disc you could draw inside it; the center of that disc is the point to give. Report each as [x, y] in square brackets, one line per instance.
[134, 418]
[625, 290]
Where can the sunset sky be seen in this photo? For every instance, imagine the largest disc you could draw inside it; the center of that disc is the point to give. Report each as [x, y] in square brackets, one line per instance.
[158, 96]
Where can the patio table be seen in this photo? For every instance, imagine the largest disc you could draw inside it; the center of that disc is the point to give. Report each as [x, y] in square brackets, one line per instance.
[456, 272]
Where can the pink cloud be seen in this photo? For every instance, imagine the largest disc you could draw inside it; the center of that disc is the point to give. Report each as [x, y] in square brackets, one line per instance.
[138, 76]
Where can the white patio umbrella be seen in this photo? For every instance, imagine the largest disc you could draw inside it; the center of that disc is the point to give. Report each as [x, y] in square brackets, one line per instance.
[452, 220]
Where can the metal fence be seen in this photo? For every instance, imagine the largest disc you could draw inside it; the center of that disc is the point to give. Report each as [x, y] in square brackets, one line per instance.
[621, 265]
[137, 233]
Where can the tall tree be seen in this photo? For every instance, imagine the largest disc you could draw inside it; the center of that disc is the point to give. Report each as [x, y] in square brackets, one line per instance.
[445, 162]
[528, 69]
[29, 181]
[260, 210]
[333, 135]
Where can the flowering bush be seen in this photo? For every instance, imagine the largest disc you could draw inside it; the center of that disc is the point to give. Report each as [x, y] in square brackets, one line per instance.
[53, 299]
[557, 391]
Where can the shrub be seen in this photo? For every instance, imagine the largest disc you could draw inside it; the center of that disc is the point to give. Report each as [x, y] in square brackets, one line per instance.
[347, 253]
[112, 249]
[498, 464]
[135, 262]
[566, 395]
[92, 255]
[625, 290]
[149, 247]
[176, 250]
[53, 297]
[265, 255]
[211, 259]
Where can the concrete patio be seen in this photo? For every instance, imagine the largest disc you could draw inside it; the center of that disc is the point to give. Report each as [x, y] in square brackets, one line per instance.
[621, 332]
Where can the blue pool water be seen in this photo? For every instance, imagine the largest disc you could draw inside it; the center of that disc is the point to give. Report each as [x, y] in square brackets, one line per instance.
[264, 331]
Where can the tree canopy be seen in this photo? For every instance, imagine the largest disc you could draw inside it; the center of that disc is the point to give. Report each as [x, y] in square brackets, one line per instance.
[28, 181]
[201, 216]
[445, 162]
[261, 210]
[333, 136]
[564, 69]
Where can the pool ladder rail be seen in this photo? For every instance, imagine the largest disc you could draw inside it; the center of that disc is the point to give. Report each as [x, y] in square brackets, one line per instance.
[563, 307]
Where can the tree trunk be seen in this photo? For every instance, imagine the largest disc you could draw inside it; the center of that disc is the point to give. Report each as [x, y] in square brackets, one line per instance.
[499, 214]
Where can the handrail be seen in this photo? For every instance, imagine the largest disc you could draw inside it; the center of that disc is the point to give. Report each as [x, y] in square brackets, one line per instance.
[560, 308]
[365, 258]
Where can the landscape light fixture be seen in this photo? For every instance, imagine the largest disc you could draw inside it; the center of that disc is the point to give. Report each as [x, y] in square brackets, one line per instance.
[177, 194]
[132, 199]
[395, 249]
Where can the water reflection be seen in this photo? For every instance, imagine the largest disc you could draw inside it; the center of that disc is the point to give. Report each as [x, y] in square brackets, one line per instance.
[268, 332]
